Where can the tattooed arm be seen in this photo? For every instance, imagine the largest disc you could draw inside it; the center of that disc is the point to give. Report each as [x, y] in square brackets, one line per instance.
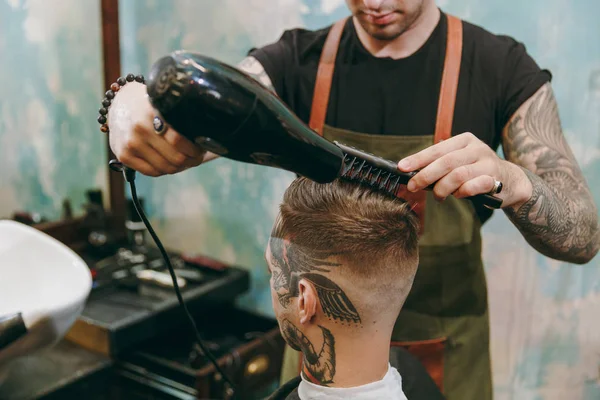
[252, 67]
[559, 219]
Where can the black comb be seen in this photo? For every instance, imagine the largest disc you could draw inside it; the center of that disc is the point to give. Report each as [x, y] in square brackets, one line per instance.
[383, 175]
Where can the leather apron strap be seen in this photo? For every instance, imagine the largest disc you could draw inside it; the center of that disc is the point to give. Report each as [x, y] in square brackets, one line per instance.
[445, 114]
[446, 102]
[325, 77]
[448, 89]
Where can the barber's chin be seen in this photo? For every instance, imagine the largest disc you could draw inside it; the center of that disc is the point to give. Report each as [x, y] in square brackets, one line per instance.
[385, 36]
[387, 32]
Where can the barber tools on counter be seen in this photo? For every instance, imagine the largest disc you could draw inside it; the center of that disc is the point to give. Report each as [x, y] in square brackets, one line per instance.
[139, 266]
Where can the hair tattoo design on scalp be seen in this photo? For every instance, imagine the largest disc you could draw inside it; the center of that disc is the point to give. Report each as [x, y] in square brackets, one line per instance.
[339, 238]
[336, 305]
[292, 264]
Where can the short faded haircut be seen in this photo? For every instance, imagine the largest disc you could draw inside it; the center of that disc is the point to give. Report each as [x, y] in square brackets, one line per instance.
[373, 235]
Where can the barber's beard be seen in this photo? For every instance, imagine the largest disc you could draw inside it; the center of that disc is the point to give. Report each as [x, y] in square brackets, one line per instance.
[392, 31]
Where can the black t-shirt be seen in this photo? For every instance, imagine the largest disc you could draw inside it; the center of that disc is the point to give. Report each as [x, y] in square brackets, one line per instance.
[400, 97]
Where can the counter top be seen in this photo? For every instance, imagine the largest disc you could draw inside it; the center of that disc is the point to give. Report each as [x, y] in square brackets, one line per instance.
[116, 319]
[51, 369]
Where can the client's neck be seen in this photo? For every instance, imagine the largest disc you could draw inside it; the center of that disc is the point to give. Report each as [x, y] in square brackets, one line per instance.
[334, 358]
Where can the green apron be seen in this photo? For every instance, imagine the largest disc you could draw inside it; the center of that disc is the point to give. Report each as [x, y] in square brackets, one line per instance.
[444, 321]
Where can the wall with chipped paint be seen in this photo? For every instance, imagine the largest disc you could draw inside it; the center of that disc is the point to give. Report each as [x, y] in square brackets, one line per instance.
[51, 77]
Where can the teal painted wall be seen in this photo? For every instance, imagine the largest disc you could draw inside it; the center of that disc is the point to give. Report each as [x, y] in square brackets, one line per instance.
[51, 80]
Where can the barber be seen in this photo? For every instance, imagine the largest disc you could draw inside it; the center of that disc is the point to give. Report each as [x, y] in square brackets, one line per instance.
[413, 84]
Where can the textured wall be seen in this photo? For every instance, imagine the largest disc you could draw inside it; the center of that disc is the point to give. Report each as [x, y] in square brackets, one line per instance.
[51, 79]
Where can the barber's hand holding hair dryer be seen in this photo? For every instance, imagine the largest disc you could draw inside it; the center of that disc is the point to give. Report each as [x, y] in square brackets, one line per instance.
[135, 141]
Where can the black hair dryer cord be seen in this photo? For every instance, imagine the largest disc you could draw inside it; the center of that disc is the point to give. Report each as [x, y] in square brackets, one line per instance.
[129, 175]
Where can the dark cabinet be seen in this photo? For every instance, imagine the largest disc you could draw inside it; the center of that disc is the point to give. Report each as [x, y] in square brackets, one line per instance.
[249, 349]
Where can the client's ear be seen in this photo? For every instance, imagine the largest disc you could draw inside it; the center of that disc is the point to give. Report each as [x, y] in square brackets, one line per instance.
[307, 301]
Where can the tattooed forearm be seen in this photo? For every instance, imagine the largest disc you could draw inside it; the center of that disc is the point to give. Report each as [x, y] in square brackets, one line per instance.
[251, 66]
[560, 219]
[319, 365]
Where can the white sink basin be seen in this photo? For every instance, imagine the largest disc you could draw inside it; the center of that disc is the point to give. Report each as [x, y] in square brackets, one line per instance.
[42, 280]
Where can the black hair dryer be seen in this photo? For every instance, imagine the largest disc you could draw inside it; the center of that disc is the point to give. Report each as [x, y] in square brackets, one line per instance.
[229, 113]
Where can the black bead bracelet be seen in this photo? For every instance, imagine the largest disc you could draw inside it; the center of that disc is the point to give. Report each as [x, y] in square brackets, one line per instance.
[110, 95]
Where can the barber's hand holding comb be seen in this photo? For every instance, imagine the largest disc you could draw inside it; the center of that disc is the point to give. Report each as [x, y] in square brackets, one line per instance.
[465, 166]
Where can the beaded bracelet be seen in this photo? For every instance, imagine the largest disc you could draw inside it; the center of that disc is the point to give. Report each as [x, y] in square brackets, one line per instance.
[110, 95]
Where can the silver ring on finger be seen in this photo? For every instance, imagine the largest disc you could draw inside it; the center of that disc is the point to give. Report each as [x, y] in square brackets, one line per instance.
[159, 125]
[497, 188]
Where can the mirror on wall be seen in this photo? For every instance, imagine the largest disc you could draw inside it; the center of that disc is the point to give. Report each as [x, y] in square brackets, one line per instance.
[52, 152]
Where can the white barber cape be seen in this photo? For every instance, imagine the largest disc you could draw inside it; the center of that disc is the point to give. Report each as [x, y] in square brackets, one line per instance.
[390, 387]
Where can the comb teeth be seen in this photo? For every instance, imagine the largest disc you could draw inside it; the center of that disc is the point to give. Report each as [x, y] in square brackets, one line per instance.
[363, 173]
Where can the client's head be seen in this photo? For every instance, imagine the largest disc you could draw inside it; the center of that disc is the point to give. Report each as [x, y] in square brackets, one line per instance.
[342, 260]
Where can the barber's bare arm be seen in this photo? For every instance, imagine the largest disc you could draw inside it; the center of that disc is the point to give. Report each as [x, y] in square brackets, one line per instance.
[545, 196]
[134, 142]
[560, 218]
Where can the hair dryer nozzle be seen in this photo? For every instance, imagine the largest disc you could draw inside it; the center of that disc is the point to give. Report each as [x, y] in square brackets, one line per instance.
[164, 84]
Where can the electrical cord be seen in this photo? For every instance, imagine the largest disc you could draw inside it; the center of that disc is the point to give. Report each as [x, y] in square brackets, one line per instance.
[129, 175]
